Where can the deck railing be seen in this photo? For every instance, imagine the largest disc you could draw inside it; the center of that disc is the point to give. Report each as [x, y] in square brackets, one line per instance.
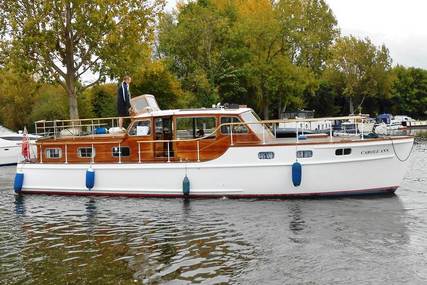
[78, 127]
[265, 134]
[84, 127]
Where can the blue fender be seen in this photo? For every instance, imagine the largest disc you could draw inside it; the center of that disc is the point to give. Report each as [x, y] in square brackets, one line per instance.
[19, 181]
[90, 178]
[186, 186]
[296, 173]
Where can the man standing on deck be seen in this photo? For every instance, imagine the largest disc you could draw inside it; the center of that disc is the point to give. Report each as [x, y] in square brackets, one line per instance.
[123, 99]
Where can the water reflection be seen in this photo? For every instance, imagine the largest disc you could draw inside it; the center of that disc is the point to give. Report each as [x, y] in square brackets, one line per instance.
[19, 205]
[297, 223]
[83, 240]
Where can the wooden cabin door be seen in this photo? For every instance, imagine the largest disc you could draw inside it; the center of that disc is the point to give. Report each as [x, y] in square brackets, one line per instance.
[163, 131]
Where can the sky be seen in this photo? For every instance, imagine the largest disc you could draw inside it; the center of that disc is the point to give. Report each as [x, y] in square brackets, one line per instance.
[399, 24]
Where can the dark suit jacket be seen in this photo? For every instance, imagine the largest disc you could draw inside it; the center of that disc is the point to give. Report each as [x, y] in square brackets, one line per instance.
[123, 99]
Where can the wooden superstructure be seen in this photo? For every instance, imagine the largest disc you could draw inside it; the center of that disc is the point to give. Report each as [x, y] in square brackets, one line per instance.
[160, 142]
[152, 135]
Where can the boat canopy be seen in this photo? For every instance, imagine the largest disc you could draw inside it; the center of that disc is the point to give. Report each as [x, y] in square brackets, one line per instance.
[384, 118]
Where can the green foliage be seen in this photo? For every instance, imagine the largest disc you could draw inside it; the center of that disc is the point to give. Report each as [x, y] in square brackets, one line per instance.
[410, 91]
[308, 29]
[63, 40]
[324, 101]
[249, 52]
[193, 44]
[101, 101]
[358, 69]
[50, 103]
[155, 78]
[17, 97]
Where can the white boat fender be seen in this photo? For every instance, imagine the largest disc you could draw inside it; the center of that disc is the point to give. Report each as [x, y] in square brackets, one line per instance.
[90, 178]
[296, 173]
[186, 187]
[19, 181]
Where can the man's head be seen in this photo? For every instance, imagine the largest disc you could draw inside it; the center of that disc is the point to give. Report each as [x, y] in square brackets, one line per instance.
[127, 79]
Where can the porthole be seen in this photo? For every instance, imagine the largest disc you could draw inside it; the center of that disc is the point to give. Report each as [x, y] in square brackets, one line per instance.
[343, 151]
[304, 153]
[266, 155]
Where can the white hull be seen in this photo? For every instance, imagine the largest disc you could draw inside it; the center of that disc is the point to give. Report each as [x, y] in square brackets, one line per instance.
[372, 167]
[416, 124]
[9, 155]
[325, 126]
[10, 152]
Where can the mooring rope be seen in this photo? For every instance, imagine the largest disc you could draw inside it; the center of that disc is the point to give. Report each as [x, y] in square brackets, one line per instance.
[395, 153]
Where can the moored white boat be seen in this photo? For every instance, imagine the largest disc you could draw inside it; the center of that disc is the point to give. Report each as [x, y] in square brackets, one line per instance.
[211, 153]
[10, 146]
[388, 123]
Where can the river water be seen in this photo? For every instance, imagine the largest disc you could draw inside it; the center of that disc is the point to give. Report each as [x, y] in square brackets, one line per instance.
[84, 240]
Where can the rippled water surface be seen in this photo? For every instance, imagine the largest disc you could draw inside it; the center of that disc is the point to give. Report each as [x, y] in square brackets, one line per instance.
[83, 240]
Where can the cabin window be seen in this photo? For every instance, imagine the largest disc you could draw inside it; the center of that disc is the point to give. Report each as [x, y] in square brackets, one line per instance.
[237, 129]
[122, 151]
[140, 128]
[304, 153]
[86, 152]
[343, 151]
[195, 127]
[53, 153]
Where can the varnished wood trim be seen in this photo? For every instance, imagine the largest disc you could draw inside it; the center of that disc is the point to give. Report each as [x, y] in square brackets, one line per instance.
[315, 143]
[57, 142]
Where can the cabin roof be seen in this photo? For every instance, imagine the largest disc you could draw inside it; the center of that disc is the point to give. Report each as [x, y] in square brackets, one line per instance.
[193, 112]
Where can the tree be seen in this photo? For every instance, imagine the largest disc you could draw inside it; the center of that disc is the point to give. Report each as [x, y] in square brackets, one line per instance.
[17, 97]
[358, 69]
[248, 51]
[194, 43]
[103, 100]
[273, 75]
[50, 103]
[308, 30]
[155, 78]
[324, 100]
[62, 40]
[410, 91]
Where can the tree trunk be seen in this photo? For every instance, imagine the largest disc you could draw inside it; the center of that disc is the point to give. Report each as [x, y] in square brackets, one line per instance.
[72, 102]
[70, 79]
[266, 111]
[351, 105]
[72, 99]
[359, 107]
[265, 107]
